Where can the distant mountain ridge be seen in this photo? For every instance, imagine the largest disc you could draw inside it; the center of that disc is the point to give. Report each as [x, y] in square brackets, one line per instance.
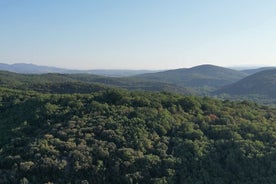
[256, 70]
[30, 68]
[27, 68]
[202, 79]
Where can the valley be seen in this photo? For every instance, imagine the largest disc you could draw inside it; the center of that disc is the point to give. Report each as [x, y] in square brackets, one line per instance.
[255, 84]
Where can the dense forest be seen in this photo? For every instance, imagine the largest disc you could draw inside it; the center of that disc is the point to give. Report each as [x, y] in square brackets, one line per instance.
[117, 136]
[82, 83]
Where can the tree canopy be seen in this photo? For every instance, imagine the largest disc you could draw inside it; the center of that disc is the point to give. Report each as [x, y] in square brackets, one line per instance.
[118, 136]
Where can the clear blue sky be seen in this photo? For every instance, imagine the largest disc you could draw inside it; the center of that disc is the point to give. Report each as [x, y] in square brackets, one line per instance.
[138, 34]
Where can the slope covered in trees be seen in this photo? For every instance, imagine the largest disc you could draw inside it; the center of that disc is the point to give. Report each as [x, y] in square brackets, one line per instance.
[203, 76]
[115, 136]
[260, 84]
[81, 83]
[200, 79]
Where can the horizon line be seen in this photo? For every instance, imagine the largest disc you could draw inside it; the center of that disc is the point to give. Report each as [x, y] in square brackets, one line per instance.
[235, 67]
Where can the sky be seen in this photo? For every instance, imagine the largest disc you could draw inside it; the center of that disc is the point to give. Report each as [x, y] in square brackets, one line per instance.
[138, 34]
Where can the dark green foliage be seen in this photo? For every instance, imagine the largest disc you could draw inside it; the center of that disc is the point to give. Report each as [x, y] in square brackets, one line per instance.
[115, 136]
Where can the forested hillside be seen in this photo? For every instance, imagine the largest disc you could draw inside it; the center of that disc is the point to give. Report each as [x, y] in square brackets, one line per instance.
[81, 83]
[117, 136]
[205, 78]
[259, 87]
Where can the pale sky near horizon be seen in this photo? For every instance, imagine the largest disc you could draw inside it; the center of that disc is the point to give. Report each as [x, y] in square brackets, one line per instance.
[138, 34]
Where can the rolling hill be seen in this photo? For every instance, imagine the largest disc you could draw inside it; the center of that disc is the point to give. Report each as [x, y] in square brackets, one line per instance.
[262, 83]
[202, 79]
[203, 76]
[85, 83]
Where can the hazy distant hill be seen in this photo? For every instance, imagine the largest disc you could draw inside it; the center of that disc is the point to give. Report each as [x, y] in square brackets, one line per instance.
[85, 83]
[36, 69]
[256, 70]
[261, 83]
[30, 68]
[115, 73]
[209, 76]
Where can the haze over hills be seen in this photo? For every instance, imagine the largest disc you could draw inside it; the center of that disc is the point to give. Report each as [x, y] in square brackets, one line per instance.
[30, 68]
[256, 70]
[173, 76]
[37, 69]
[202, 79]
[261, 83]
